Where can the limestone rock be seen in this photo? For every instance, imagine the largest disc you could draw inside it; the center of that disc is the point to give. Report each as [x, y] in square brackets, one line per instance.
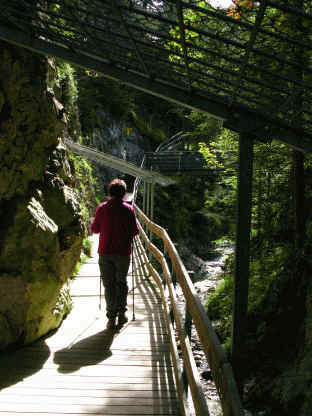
[41, 227]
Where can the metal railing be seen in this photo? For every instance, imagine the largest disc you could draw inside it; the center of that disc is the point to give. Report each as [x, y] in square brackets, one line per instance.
[188, 378]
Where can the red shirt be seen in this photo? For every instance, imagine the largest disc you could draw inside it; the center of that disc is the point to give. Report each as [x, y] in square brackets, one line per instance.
[116, 222]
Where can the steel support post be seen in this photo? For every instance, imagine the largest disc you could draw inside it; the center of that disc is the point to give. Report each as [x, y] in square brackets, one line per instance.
[148, 199]
[144, 197]
[147, 212]
[152, 201]
[145, 206]
[152, 194]
[242, 260]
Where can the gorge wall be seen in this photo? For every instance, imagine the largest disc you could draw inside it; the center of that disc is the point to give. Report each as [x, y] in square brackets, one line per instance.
[41, 227]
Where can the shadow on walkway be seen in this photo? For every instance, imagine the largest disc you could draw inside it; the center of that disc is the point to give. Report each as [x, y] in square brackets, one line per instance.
[88, 351]
[17, 365]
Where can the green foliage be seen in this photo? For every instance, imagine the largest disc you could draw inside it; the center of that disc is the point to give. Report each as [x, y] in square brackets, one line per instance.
[87, 247]
[155, 134]
[278, 277]
[267, 274]
[204, 128]
[85, 254]
[96, 94]
[66, 77]
[64, 303]
[86, 184]
[185, 200]
[69, 95]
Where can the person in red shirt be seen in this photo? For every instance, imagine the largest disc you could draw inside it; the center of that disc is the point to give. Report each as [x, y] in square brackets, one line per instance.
[116, 223]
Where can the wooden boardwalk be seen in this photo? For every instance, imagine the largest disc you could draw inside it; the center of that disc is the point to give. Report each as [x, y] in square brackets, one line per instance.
[85, 369]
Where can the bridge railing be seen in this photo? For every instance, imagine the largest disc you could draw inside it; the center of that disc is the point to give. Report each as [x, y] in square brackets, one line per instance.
[220, 367]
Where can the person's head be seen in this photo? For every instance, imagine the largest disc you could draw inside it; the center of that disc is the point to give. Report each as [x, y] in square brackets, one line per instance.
[117, 188]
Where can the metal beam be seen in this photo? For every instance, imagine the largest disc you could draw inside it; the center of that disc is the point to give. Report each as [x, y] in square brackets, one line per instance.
[241, 283]
[237, 117]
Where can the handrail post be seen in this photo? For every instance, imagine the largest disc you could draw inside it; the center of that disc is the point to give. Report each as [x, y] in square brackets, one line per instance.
[188, 333]
[173, 274]
[188, 316]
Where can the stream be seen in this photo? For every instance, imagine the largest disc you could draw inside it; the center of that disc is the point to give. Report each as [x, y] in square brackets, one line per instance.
[207, 275]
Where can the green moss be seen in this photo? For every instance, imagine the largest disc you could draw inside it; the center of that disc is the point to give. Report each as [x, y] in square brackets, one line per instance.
[84, 255]
[64, 304]
[49, 305]
[86, 185]
[6, 333]
[41, 297]
[28, 122]
[87, 247]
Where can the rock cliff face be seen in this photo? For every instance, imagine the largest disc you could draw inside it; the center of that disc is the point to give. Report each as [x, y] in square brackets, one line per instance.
[41, 229]
[119, 138]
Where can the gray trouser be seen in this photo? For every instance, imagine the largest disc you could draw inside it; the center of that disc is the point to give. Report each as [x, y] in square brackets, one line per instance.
[114, 270]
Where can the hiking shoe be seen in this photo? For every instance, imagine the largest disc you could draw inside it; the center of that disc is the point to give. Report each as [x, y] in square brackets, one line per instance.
[122, 319]
[111, 324]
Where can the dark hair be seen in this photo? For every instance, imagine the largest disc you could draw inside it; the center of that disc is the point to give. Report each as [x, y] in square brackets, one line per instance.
[117, 188]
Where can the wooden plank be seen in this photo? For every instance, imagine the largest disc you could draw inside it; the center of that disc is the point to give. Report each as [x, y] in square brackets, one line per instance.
[102, 367]
[58, 414]
[64, 391]
[85, 369]
[86, 409]
[133, 372]
[83, 400]
[80, 383]
[91, 355]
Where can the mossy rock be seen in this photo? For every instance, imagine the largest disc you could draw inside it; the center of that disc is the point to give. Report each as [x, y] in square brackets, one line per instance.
[30, 244]
[41, 296]
[28, 125]
[6, 333]
[41, 228]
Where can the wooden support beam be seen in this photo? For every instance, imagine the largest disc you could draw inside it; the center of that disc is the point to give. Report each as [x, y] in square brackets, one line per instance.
[242, 251]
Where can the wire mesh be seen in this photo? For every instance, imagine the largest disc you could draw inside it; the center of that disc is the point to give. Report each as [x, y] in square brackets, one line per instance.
[253, 56]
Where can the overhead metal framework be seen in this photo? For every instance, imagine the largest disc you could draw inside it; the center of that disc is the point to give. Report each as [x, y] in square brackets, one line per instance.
[249, 65]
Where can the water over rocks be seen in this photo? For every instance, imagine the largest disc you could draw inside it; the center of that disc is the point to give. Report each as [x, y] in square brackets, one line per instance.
[206, 275]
